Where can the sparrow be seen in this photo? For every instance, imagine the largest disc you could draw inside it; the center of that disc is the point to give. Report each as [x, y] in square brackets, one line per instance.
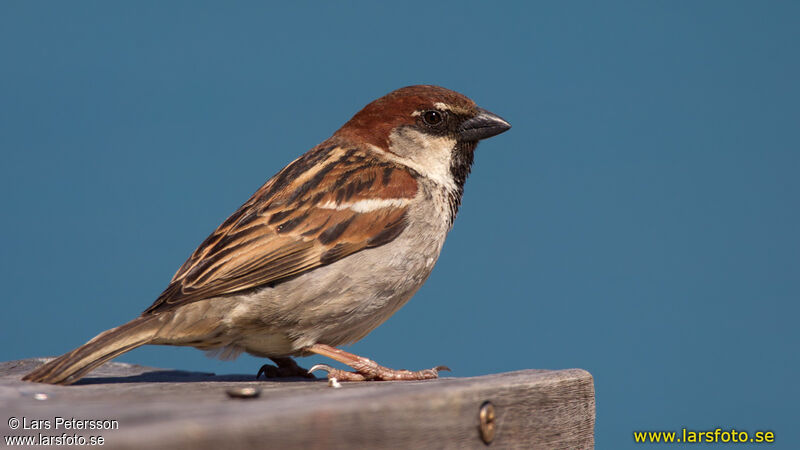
[324, 252]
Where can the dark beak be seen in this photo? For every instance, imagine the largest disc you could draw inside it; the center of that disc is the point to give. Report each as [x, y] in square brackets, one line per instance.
[482, 126]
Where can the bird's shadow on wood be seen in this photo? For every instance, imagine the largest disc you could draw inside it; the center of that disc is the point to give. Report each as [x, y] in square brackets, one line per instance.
[180, 376]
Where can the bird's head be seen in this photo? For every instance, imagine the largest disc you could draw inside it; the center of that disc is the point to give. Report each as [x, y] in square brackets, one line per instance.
[429, 128]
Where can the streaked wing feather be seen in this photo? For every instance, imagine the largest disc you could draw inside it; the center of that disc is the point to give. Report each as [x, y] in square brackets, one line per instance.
[324, 206]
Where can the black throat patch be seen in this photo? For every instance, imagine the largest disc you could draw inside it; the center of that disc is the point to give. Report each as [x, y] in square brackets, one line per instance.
[460, 166]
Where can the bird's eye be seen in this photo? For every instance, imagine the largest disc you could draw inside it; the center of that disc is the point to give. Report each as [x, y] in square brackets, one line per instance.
[432, 118]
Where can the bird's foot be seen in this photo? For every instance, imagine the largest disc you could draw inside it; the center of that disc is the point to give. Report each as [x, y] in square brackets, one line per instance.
[367, 369]
[380, 373]
[286, 368]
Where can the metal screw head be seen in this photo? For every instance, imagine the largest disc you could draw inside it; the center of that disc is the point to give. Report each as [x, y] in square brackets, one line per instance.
[243, 392]
[487, 420]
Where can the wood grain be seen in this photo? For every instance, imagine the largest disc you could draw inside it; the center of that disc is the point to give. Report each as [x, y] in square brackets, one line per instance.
[159, 408]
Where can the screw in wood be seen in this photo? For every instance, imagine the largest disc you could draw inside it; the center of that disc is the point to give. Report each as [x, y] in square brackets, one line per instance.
[487, 421]
[243, 392]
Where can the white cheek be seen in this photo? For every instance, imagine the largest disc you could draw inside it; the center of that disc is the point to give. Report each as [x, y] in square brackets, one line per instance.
[428, 155]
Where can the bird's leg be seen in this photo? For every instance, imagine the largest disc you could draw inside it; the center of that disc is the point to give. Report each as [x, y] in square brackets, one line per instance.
[366, 369]
[286, 368]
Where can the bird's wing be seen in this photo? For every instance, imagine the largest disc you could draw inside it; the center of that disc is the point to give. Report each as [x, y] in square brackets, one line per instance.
[324, 206]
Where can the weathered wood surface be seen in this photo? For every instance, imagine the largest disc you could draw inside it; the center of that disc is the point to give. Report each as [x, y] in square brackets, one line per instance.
[158, 408]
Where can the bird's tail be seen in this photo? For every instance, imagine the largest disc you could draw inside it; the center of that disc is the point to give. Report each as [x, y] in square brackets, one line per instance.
[70, 367]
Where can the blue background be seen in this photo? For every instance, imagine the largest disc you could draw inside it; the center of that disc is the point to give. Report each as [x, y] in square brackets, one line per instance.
[639, 221]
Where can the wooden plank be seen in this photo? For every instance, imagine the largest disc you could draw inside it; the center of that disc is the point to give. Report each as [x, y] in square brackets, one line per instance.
[158, 408]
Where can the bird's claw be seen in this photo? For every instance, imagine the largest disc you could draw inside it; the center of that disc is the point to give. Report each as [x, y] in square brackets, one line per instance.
[324, 367]
[268, 370]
